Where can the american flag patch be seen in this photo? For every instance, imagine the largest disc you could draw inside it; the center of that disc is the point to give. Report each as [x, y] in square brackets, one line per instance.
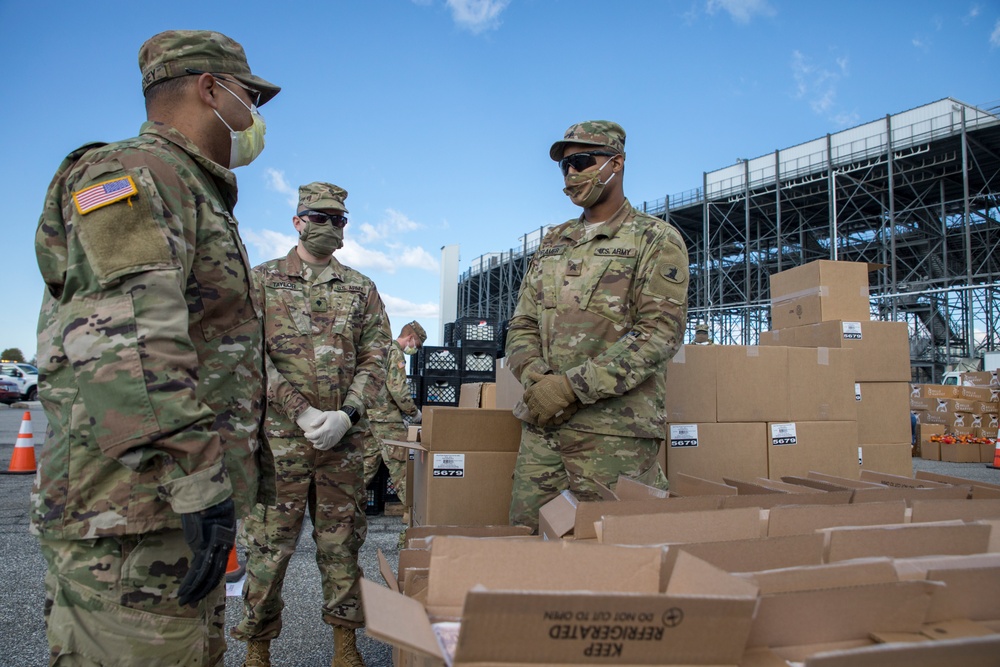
[103, 194]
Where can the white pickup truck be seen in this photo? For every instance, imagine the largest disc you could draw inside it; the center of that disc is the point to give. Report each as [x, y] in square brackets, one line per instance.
[25, 376]
[990, 362]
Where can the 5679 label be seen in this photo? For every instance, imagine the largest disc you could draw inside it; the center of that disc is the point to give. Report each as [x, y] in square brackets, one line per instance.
[448, 465]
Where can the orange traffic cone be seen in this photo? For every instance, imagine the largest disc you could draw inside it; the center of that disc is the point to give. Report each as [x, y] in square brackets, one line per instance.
[234, 571]
[996, 457]
[22, 461]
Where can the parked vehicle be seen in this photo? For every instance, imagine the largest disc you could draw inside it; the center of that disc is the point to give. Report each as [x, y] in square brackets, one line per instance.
[9, 392]
[23, 376]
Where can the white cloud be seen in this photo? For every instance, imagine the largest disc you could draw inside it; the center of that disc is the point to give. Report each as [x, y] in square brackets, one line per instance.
[392, 225]
[365, 258]
[277, 182]
[741, 11]
[995, 36]
[974, 12]
[477, 16]
[402, 310]
[269, 243]
[817, 85]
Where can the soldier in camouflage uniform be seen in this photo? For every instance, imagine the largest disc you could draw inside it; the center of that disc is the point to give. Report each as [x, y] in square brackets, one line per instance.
[150, 348]
[326, 336]
[385, 419]
[600, 312]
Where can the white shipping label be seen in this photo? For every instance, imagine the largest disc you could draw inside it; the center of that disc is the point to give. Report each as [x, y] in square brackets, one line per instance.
[860, 459]
[852, 330]
[783, 434]
[857, 391]
[683, 435]
[449, 465]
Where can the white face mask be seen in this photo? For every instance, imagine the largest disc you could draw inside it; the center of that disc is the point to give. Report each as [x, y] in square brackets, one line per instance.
[247, 144]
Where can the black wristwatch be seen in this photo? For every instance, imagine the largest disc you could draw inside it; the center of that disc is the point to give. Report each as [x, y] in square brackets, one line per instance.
[353, 414]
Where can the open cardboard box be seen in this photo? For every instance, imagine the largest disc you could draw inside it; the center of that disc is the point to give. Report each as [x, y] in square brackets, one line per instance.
[544, 603]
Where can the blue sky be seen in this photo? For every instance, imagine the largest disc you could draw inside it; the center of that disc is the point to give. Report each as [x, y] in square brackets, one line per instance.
[437, 115]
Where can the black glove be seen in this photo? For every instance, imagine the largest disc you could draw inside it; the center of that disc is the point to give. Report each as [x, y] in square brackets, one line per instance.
[210, 533]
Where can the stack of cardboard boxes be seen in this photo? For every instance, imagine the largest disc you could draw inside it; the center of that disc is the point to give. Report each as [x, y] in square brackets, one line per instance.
[826, 390]
[968, 411]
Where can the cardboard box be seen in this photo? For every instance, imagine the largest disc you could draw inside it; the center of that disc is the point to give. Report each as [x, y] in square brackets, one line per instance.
[906, 540]
[752, 383]
[983, 394]
[934, 391]
[681, 527]
[987, 452]
[796, 448]
[881, 349]
[691, 384]
[955, 405]
[821, 384]
[921, 404]
[958, 452]
[565, 604]
[946, 510]
[883, 412]
[986, 407]
[819, 291]
[463, 467]
[804, 519]
[896, 459]
[714, 451]
[980, 379]
[509, 390]
[925, 448]
[478, 395]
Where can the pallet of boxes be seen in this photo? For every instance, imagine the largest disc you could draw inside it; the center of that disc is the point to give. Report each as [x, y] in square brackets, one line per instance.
[774, 547]
[958, 423]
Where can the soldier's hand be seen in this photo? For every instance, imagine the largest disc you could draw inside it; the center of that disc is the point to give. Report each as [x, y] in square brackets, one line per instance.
[210, 533]
[417, 418]
[308, 417]
[563, 416]
[549, 397]
[327, 429]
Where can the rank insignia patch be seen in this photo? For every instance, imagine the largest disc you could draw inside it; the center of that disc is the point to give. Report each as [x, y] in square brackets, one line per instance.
[102, 194]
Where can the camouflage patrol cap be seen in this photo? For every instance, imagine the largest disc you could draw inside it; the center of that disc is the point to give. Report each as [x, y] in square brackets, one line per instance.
[701, 327]
[319, 195]
[419, 330]
[591, 133]
[177, 53]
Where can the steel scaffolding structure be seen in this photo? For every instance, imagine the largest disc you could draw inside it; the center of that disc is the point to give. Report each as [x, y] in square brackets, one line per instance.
[915, 195]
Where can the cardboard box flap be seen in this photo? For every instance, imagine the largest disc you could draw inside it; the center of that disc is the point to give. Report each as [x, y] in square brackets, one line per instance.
[462, 429]
[966, 510]
[574, 628]
[458, 564]
[906, 540]
[813, 483]
[630, 489]
[398, 620]
[408, 444]
[589, 512]
[917, 568]
[692, 576]
[787, 487]
[910, 495]
[948, 479]
[386, 571]
[792, 519]
[556, 517]
[843, 481]
[770, 500]
[968, 593]
[680, 527]
[420, 532]
[864, 572]
[898, 481]
[748, 487]
[970, 652]
[752, 555]
[840, 614]
[688, 485]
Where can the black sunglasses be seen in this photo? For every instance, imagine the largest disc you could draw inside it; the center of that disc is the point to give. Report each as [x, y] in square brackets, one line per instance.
[254, 93]
[581, 161]
[320, 218]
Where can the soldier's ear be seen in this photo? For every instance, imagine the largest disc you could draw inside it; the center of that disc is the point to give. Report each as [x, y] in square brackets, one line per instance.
[207, 90]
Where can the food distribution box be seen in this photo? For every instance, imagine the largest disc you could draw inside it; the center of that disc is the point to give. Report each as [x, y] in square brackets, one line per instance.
[984, 394]
[751, 383]
[564, 603]
[960, 452]
[796, 448]
[934, 391]
[714, 451]
[478, 395]
[821, 384]
[881, 349]
[463, 466]
[819, 291]
[883, 412]
[691, 384]
[896, 459]
[981, 379]
[929, 449]
[906, 540]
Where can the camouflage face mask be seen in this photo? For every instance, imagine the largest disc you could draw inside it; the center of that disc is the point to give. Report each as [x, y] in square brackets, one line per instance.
[585, 189]
[321, 240]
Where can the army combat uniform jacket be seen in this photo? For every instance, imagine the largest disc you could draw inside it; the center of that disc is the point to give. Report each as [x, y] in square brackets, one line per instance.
[326, 339]
[606, 307]
[150, 343]
[395, 399]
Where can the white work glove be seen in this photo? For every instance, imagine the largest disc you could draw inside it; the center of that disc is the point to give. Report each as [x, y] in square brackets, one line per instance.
[323, 429]
[417, 418]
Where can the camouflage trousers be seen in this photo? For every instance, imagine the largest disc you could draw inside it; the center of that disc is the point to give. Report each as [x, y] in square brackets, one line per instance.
[552, 460]
[394, 457]
[329, 485]
[112, 601]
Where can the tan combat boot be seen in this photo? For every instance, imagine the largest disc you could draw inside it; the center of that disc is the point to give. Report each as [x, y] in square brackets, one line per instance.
[258, 653]
[345, 648]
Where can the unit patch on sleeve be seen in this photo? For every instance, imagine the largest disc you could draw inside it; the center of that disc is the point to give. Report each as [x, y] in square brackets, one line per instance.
[102, 194]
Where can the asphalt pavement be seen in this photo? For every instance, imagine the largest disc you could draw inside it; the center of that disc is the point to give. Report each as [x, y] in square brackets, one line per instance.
[305, 640]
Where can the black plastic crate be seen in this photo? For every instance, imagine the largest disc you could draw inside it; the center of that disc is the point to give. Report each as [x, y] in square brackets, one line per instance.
[449, 334]
[390, 490]
[475, 330]
[376, 491]
[440, 391]
[413, 384]
[479, 363]
[438, 361]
